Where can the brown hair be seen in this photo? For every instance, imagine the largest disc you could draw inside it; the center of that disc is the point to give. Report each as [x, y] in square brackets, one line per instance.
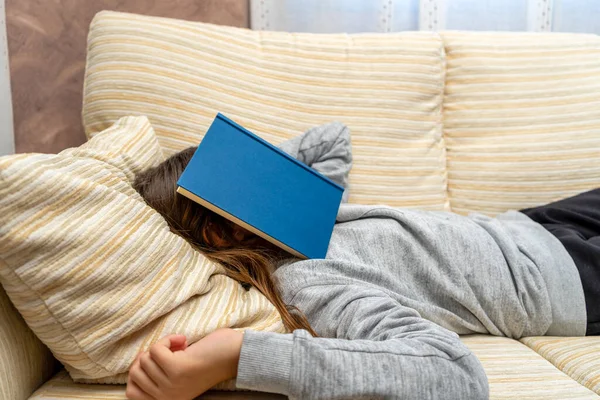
[246, 257]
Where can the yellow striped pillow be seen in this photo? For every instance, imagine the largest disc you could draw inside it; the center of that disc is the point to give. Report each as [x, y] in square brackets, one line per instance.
[386, 87]
[95, 272]
[521, 118]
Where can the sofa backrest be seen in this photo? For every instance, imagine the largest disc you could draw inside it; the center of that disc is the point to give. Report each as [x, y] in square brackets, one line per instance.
[521, 118]
[386, 88]
[464, 121]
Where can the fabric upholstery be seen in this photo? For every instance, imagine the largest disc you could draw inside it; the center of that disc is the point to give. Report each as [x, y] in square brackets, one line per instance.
[516, 372]
[578, 357]
[62, 387]
[521, 118]
[25, 363]
[68, 216]
[386, 88]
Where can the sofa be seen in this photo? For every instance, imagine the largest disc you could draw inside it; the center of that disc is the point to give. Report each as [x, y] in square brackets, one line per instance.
[451, 121]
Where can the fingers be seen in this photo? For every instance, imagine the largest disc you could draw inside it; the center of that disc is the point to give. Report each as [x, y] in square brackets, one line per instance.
[139, 377]
[161, 352]
[153, 370]
[137, 357]
[133, 392]
[174, 342]
[143, 381]
[162, 355]
[179, 342]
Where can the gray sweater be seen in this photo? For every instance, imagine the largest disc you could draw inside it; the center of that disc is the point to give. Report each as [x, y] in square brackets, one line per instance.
[396, 288]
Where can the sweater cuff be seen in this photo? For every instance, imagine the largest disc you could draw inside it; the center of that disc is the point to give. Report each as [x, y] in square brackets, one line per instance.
[265, 362]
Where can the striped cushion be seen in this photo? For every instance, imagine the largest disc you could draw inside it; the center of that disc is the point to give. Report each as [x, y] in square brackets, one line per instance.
[517, 372]
[577, 357]
[521, 118]
[386, 87]
[95, 272]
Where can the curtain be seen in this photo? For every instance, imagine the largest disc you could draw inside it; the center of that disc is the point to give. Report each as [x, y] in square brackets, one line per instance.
[329, 16]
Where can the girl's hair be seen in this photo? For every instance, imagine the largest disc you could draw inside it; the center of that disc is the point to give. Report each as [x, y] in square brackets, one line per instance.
[246, 257]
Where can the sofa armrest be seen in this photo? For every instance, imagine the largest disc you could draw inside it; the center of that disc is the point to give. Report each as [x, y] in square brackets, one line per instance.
[25, 362]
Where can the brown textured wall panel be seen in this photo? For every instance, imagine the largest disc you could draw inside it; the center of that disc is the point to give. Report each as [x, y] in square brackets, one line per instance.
[47, 41]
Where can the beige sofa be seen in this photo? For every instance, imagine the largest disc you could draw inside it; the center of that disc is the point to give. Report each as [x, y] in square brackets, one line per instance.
[454, 121]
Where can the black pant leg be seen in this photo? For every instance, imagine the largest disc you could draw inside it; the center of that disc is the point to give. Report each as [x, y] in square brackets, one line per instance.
[575, 221]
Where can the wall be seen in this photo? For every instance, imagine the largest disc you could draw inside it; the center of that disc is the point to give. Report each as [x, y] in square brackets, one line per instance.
[7, 145]
[47, 44]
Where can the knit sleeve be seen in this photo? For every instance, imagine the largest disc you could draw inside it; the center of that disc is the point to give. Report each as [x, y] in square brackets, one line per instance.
[327, 149]
[373, 348]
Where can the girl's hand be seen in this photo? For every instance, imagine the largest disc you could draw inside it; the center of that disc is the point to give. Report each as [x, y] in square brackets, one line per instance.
[171, 370]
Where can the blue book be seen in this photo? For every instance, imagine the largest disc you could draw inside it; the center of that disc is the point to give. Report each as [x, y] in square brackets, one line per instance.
[263, 189]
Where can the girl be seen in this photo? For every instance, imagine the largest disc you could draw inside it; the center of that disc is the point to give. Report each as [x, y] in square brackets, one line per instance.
[380, 316]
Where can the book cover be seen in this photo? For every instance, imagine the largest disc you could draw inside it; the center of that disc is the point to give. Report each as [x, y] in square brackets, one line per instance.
[247, 180]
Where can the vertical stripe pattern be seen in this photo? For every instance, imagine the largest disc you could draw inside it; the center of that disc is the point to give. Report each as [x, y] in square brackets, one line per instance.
[95, 272]
[386, 88]
[521, 118]
[539, 15]
[432, 15]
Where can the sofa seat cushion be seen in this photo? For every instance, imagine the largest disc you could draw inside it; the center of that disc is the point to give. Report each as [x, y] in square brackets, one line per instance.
[516, 372]
[387, 88]
[62, 387]
[521, 118]
[578, 357]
